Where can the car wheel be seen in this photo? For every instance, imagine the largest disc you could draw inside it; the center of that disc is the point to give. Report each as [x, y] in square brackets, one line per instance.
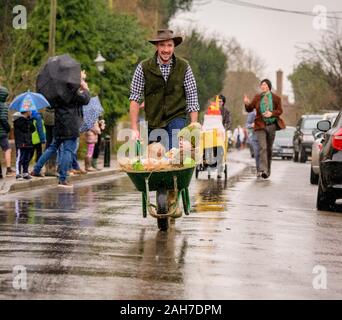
[295, 156]
[325, 201]
[302, 155]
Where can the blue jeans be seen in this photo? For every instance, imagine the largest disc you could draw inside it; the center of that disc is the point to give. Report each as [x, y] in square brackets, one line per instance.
[65, 156]
[75, 165]
[253, 140]
[172, 129]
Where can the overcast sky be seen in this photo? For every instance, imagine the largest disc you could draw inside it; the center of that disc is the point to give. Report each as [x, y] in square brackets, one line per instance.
[272, 35]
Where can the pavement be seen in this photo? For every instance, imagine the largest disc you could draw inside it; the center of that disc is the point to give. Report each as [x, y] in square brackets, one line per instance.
[11, 184]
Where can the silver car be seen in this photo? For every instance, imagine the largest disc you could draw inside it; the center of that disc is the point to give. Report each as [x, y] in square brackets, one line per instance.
[283, 143]
[317, 147]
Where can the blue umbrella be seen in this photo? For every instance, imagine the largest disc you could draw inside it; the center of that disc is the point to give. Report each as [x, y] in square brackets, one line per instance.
[29, 101]
[91, 113]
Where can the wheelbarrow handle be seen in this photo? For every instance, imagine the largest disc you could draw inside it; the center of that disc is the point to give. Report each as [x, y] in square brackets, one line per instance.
[138, 149]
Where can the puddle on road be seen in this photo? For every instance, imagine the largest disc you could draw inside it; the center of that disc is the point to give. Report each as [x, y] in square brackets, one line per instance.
[212, 195]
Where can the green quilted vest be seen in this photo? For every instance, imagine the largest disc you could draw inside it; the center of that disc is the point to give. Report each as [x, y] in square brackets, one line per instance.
[3, 94]
[164, 101]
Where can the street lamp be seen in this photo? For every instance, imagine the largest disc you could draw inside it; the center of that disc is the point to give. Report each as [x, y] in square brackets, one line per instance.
[100, 62]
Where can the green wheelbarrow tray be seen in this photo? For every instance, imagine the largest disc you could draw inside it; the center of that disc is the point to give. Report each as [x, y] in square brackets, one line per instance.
[177, 179]
[162, 179]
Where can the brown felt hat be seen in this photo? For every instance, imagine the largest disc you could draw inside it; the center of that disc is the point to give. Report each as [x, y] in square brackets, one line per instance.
[164, 35]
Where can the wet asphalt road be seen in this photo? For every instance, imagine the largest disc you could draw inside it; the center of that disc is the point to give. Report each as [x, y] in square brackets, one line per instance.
[245, 240]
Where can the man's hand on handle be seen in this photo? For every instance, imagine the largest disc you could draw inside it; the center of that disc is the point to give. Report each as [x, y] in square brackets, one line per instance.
[193, 117]
[136, 134]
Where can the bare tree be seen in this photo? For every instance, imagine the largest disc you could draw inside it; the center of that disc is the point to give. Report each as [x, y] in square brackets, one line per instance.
[240, 59]
[328, 53]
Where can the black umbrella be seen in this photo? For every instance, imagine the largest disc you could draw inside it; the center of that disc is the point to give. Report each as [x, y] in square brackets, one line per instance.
[60, 78]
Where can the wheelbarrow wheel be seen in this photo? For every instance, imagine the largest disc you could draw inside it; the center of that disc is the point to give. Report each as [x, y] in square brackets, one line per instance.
[162, 208]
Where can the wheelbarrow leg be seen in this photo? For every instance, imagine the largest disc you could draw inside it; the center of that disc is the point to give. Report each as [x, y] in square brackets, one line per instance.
[144, 197]
[186, 201]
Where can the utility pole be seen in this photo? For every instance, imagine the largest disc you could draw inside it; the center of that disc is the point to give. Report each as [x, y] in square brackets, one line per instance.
[110, 5]
[52, 32]
[156, 25]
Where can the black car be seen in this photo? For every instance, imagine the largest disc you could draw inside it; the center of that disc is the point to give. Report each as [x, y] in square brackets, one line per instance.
[304, 137]
[330, 164]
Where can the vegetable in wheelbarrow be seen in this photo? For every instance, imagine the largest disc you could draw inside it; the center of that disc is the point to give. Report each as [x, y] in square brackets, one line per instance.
[138, 166]
[189, 162]
[191, 133]
[159, 160]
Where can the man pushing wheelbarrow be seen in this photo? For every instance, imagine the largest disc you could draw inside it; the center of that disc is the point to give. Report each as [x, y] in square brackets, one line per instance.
[168, 88]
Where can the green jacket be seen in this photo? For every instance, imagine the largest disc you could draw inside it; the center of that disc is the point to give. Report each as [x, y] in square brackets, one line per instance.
[4, 125]
[164, 101]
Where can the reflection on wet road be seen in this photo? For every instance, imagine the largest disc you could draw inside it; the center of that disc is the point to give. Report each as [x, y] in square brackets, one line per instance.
[245, 239]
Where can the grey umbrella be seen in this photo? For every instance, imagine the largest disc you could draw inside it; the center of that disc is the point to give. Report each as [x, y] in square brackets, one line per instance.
[60, 78]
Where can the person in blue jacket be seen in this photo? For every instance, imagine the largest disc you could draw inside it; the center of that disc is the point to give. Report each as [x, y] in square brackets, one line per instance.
[38, 136]
[253, 140]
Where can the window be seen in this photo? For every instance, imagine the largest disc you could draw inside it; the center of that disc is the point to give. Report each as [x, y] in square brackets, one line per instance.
[310, 123]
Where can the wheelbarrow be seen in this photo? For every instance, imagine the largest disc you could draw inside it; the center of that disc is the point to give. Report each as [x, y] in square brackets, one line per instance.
[170, 186]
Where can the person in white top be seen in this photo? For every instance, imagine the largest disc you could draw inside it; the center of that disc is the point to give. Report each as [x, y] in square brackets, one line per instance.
[239, 137]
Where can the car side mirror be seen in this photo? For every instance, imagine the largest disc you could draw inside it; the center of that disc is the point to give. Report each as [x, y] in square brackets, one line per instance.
[324, 125]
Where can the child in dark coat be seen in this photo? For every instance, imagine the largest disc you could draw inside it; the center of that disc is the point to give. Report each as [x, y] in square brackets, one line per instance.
[23, 129]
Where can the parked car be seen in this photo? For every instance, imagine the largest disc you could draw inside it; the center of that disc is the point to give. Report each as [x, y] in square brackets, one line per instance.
[304, 137]
[283, 143]
[330, 164]
[317, 147]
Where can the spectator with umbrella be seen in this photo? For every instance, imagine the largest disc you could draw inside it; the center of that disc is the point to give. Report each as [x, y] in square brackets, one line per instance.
[25, 104]
[62, 83]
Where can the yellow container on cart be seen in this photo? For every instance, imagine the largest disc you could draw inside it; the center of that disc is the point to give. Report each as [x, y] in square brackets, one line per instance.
[213, 144]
